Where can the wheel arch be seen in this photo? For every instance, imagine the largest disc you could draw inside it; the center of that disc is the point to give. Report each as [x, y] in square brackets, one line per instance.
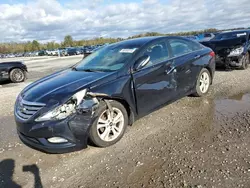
[17, 67]
[131, 115]
[210, 72]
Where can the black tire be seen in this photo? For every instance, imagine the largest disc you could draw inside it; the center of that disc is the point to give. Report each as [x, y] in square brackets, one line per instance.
[198, 92]
[245, 61]
[93, 132]
[17, 75]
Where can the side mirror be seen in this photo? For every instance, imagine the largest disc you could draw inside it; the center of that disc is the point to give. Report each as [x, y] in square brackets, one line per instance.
[141, 62]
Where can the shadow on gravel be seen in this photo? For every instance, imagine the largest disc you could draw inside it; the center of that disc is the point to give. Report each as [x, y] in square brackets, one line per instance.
[7, 168]
[5, 82]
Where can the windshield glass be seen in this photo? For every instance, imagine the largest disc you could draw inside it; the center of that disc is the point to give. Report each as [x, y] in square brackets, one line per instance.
[231, 35]
[109, 58]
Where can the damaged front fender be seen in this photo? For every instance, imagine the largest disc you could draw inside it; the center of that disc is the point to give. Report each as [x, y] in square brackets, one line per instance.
[83, 119]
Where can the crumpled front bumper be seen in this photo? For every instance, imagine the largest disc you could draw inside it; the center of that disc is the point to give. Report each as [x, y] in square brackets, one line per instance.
[75, 129]
[233, 61]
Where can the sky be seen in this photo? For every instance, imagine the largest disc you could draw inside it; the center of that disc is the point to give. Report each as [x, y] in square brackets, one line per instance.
[51, 20]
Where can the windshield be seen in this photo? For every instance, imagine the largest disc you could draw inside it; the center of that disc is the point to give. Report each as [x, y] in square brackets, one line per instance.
[231, 35]
[109, 58]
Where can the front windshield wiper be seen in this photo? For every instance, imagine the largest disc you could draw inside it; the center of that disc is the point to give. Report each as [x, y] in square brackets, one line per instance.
[74, 69]
[95, 70]
[89, 70]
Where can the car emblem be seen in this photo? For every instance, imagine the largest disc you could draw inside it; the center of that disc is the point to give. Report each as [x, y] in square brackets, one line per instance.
[22, 108]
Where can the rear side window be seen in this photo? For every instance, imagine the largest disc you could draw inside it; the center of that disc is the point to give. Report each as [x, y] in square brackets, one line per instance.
[181, 47]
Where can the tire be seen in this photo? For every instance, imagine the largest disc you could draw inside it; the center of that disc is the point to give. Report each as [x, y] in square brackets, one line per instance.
[199, 91]
[97, 132]
[17, 75]
[245, 61]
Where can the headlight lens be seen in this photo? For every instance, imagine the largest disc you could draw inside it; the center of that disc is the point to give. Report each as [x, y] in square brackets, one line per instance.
[236, 51]
[63, 111]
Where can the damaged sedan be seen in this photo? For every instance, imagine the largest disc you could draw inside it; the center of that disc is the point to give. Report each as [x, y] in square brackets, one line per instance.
[96, 99]
[232, 49]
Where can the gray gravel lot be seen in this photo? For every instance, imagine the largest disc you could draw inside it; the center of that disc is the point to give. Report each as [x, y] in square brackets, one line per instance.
[194, 142]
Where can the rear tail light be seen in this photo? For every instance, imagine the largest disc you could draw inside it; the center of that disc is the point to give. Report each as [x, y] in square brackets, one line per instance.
[212, 54]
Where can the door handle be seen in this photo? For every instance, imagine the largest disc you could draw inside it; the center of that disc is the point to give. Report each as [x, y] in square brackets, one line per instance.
[197, 56]
[169, 71]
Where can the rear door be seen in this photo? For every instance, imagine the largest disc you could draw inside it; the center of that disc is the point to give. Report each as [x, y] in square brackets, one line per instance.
[186, 55]
[155, 83]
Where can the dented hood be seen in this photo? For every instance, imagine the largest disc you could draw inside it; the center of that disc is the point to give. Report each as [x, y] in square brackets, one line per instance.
[224, 47]
[62, 85]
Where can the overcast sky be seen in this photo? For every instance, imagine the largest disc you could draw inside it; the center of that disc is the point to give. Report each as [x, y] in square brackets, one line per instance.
[46, 20]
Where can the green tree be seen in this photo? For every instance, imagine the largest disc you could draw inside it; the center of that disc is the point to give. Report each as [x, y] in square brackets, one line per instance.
[68, 41]
[35, 45]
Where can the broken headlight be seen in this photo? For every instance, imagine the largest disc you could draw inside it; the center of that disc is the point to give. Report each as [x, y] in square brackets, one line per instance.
[236, 52]
[64, 110]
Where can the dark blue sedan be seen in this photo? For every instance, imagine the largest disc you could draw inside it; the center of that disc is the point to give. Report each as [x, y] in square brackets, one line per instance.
[113, 87]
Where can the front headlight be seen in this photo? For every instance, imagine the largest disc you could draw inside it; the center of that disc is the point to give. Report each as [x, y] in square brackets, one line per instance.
[236, 52]
[63, 111]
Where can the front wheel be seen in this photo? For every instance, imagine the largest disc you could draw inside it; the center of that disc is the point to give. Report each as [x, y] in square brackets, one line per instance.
[17, 75]
[203, 83]
[108, 129]
[245, 61]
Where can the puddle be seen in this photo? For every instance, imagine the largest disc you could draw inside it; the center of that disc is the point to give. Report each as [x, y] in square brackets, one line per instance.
[233, 104]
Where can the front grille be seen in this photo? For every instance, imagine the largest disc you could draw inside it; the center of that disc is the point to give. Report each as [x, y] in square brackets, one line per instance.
[25, 109]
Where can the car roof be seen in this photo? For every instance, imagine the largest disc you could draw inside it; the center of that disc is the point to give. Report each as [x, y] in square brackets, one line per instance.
[139, 41]
[236, 31]
[144, 40]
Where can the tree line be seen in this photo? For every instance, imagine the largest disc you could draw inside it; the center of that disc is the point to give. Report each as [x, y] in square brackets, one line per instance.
[14, 47]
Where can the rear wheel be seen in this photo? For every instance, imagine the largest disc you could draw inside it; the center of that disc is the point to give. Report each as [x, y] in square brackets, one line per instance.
[203, 83]
[17, 75]
[108, 129]
[245, 61]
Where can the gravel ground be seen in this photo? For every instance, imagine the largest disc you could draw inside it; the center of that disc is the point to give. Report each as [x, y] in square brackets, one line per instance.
[194, 142]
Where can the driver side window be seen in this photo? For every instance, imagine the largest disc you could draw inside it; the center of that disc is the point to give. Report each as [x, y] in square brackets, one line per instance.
[157, 52]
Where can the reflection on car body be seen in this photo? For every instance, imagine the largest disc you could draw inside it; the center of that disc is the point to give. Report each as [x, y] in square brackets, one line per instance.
[111, 88]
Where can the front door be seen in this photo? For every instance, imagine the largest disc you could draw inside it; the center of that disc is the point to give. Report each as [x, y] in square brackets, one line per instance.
[155, 83]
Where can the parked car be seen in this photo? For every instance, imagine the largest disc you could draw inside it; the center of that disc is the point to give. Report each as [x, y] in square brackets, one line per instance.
[191, 37]
[86, 53]
[53, 52]
[98, 97]
[207, 37]
[42, 53]
[73, 51]
[14, 71]
[232, 49]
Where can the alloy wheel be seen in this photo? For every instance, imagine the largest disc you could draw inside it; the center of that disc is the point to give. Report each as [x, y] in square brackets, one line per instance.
[204, 82]
[109, 127]
[18, 75]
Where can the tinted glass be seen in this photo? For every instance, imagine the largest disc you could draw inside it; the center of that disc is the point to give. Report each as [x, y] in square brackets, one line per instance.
[207, 35]
[231, 35]
[181, 47]
[109, 58]
[158, 53]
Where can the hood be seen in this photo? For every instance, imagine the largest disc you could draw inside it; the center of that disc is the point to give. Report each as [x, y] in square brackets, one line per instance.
[62, 85]
[223, 47]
